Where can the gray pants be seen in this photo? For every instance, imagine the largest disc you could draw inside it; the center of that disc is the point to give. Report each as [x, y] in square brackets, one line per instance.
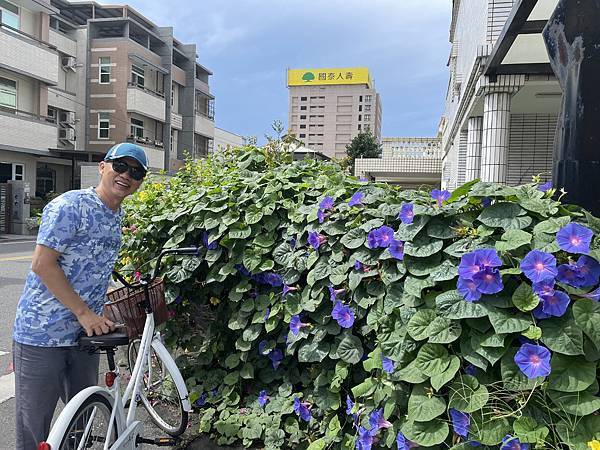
[42, 376]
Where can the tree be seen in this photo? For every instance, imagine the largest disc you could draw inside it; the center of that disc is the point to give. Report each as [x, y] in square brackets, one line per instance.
[364, 145]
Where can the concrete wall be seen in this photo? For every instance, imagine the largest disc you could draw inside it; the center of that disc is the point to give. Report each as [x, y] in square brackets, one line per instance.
[28, 57]
[145, 103]
[223, 138]
[204, 126]
[21, 158]
[24, 133]
[63, 43]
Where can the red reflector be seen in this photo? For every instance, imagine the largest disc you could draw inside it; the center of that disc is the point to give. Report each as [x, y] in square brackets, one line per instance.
[43, 446]
[109, 378]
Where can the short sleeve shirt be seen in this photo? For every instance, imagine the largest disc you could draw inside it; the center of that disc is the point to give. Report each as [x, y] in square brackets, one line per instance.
[87, 234]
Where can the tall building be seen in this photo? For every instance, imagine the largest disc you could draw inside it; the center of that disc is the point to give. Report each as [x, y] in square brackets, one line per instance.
[329, 107]
[503, 98]
[75, 78]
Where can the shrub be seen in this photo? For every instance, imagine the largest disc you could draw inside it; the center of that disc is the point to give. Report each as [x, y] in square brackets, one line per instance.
[329, 312]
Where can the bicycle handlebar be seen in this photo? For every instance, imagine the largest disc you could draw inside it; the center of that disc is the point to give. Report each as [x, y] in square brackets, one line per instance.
[191, 251]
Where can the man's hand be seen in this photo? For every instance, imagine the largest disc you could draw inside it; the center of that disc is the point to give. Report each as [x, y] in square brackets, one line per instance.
[93, 324]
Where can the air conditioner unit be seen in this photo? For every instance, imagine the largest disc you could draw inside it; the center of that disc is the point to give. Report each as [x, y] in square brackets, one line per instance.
[67, 134]
[67, 117]
[68, 62]
[158, 144]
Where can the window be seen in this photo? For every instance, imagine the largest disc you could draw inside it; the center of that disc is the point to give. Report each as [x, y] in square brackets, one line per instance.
[45, 181]
[8, 93]
[104, 69]
[359, 117]
[18, 172]
[51, 116]
[103, 125]
[367, 117]
[302, 135]
[367, 98]
[302, 127]
[303, 116]
[10, 14]
[367, 107]
[360, 98]
[359, 127]
[302, 99]
[303, 108]
[137, 128]
[360, 107]
[137, 76]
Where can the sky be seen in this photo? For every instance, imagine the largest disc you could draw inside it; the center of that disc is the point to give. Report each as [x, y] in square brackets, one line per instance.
[249, 44]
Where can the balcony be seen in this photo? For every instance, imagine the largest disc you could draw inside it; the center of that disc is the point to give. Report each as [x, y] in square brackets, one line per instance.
[63, 43]
[28, 55]
[25, 130]
[177, 121]
[146, 102]
[201, 86]
[406, 171]
[204, 125]
[154, 150]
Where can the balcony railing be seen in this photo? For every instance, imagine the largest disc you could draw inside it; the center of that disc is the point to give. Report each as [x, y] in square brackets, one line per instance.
[145, 89]
[27, 35]
[26, 114]
[206, 115]
[145, 141]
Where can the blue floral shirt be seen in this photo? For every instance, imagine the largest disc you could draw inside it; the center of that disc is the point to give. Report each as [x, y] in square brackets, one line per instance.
[87, 234]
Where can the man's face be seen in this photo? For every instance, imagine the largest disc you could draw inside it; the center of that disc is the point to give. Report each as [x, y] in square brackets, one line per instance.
[119, 185]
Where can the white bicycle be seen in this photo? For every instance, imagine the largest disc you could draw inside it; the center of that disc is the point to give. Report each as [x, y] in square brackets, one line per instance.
[96, 418]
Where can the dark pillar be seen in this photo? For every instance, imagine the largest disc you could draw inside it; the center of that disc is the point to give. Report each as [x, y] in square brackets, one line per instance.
[572, 38]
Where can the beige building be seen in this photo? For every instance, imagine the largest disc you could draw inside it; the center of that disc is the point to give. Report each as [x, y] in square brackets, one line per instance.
[224, 138]
[76, 78]
[329, 107]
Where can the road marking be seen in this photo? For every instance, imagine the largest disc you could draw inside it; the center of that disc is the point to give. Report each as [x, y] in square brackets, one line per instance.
[7, 387]
[16, 242]
[17, 258]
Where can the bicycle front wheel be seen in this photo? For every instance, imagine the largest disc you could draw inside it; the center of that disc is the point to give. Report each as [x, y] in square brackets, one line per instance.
[89, 426]
[160, 394]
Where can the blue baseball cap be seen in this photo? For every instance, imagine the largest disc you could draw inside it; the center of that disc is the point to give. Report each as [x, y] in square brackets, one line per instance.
[127, 149]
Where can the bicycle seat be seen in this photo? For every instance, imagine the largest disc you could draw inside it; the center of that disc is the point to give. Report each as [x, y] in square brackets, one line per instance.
[105, 341]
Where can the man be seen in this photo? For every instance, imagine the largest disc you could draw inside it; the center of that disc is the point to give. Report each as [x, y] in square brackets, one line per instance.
[77, 245]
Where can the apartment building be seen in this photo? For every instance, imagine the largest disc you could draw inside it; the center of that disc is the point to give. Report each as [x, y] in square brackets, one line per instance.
[76, 78]
[503, 98]
[411, 162]
[329, 107]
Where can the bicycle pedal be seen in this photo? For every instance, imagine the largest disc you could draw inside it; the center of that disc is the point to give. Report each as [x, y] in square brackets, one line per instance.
[159, 442]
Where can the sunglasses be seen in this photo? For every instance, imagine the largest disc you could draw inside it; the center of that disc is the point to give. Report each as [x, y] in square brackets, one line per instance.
[137, 173]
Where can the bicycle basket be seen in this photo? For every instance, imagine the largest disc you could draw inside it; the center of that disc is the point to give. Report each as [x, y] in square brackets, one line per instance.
[124, 306]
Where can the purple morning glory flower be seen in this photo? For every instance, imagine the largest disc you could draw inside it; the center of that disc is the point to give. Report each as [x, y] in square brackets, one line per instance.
[205, 241]
[326, 203]
[296, 324]
[511, 443]
[589, 270]
[241, 269]
[533, 360]
[343, 315]
[472, 263]
[539, 266]
[377, 421]
[544, 287]
[363, 180]
[302, 409]
[555, 305]
[471, 370]
[267, 314]
[460, 422]
[321, 215]
[373, 238]
[486, 201]
[574, 238]
[358, 265]
[407, 214]
[293, 243]
[403, 443]
[440, 196]
[488, 281]
[380, 237]
[468, 289]
[262, 346]
[333, 293]
[594, 295]
[356, 199]
[388, 365]
[538, 312]
[545, 187]
[287, 289]
[315, 239]
[396, 249]
[276, 356]
[263, 398]
[569, 274]
[349, 405]
[201, 400]
[365, 439]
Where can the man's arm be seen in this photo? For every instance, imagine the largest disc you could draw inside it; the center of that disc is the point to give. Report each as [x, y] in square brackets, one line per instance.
[45, 265]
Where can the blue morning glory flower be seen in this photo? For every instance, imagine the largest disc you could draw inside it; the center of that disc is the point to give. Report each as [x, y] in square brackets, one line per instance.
[539, 266]
[296, 324]
[201, 400]
[358, 265]
[471, 370]
[349, 405]
[396, 249]
[512, 443]
[276, 356]
[569, 274]
[474, 262]
[326, 203]
[262, 398]
[287, 289]
[205, 241]
[293, 243]
[267, 314]
[486, 201]
[460, 422]
[533, 360]
[262, 346]
[388, 365]
[538, 312]
[594, 295]
[321, 215]
[356, 199]
[407, 214]
[373, 238]
[380, 237]
[343, 315]
[377, 421]
[333, 293]
[589, 270]
[315, 239]
[403, 443]
[241, 269]
[574, 238]
[365, 439]
[440, 196]
[302, 409]
[488, 281]
[363, 179]
[468, 290]
[545, 187]
[556, 304]
[544, 287]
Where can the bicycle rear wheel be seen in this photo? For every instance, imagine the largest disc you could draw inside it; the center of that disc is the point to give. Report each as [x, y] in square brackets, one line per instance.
[89, 426]
[159, 394]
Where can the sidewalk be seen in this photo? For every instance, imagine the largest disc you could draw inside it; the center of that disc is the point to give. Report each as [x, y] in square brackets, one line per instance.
[17, 237]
